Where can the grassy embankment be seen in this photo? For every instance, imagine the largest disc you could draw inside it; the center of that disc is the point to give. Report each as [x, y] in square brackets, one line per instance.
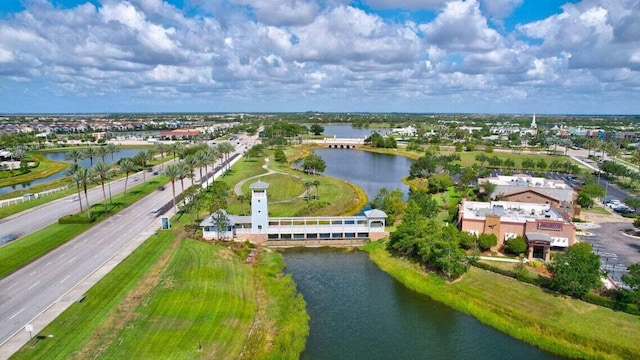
[336, 197]
[552, 322]
[179, 298]
[45, 168]
[23, 251]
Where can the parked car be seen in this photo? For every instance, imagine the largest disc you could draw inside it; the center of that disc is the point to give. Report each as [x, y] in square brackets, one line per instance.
[161, 188]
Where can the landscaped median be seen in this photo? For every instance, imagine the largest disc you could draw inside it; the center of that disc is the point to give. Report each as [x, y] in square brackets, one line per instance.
[175, 297]
[550, 321]
[23, 251]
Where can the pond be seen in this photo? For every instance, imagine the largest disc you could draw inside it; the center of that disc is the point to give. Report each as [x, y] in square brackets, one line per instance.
[359, 312]
[60, 156]
[370, 171]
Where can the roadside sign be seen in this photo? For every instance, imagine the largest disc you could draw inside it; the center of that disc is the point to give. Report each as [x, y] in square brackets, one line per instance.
[28, 327]
[165, 223]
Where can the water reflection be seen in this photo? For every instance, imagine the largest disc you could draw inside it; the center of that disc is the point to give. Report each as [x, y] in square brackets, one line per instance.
[359, 312]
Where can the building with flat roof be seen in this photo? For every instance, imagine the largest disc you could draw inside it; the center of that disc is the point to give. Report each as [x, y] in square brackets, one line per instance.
[543, 226]
[530, 189]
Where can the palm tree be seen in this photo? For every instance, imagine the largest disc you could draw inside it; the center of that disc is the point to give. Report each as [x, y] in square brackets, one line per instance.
[142, 158]
[225, 149]
[101, 172]
[213, 155]
[184, 173]
[173, 172]
[191, 162]
[242, 198]
[161, 149]
[83, 176]
[90, 153]
[102, 152]
[174, 148]
[613, 150]
[72, 173]
[127, 166]
[74, 155]
[112, 149]
[592, 144]
[316, 184]
[201, 161]
[308, 184]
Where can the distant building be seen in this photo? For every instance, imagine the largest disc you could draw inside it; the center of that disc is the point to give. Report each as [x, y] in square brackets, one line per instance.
[526, 188]
[544, 227]
[180, 134]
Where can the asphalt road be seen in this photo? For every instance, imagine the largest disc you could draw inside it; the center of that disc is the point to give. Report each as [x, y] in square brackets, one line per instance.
[34, 219]
[29, 292]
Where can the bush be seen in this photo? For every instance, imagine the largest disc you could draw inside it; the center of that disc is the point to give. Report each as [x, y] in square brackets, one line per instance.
[76, 219]
[487, 241]
[636, 223]
[516, 246]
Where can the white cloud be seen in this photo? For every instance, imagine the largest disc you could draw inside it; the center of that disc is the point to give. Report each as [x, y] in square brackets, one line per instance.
[308, 52]
[460, 26]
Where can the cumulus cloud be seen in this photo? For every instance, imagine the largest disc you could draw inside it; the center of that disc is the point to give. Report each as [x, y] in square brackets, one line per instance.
[460, 26]
[500, 9]
[306, 52]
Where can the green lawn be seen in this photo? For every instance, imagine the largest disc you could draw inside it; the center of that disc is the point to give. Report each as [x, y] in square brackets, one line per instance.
[203, 297]
[75, 326]
[555, 323]
[281, 187]
[468, 158]
[23, 251]
[597, 209]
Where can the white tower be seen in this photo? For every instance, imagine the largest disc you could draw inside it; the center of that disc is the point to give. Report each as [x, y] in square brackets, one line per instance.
[259, 208]
[533, 122]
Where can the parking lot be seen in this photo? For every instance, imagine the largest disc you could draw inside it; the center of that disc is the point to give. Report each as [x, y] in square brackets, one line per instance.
[616, 250]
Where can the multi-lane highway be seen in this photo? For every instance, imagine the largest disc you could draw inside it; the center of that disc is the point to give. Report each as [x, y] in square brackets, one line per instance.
[34, 219]
[41, 290]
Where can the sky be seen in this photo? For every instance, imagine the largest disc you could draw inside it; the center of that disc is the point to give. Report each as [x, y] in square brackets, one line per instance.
[413, 56]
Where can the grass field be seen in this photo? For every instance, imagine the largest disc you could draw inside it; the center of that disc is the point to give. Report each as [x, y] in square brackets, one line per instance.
[552, 322]
[23, 251]
[203, 301]
[281, 187]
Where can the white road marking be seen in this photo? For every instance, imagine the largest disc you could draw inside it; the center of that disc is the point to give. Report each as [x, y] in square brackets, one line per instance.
[33, 273]
[34, 285]
[70, 261]
[14, 284]
[16, 314]
[47, 264]
[99, 241]
[63, 280]
[63, 254]
[75, 247]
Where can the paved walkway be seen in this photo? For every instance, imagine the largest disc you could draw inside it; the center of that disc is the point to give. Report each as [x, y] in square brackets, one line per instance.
[238, 188]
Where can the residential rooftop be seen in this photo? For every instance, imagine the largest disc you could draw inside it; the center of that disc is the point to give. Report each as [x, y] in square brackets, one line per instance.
[510, 211]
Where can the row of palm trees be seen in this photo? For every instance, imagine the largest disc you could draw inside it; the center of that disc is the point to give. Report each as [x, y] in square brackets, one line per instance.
[101, 172]
[202, 159]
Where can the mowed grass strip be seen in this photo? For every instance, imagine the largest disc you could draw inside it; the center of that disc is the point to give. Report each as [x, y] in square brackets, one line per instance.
[21, 252]
[202, 307]
[75, 326]
[27, 249]
[552, 322]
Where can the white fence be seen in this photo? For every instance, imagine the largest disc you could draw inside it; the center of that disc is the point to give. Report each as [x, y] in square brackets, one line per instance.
[29, 197]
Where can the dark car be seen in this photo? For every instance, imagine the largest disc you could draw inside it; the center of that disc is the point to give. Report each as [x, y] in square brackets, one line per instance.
[161, 188]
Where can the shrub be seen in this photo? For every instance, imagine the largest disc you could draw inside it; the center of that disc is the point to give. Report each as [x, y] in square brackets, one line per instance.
[76, 219]
[516, 245]
[487, 241]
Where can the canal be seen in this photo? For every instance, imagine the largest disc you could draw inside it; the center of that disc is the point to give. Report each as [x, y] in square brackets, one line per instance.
[60, 156]
[359, 312]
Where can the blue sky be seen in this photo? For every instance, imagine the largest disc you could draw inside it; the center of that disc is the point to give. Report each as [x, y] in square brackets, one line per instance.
[482, 56]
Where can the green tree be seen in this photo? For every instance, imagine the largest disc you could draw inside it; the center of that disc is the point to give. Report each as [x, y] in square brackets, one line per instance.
[316, 129]
[314, 164]
[90, 153]
[83, 176]
[72, 172]
[632, 278]
[428, 205]
[576, 271]
[101, 172]
[391, 202]
[279, 155]
[449, 259]
[439, 182]
[74, 155]
[173, 172]
[127, 167]
[226, 149]
[516, 245]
